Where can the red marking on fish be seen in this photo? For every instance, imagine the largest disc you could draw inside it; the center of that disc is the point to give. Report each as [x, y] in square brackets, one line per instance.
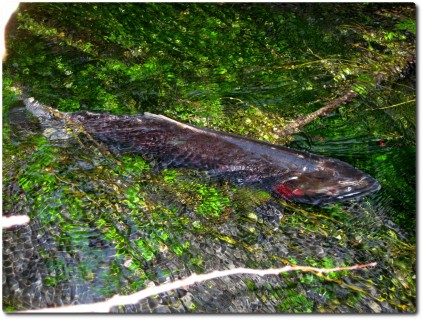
[298, 192]
[287, 192]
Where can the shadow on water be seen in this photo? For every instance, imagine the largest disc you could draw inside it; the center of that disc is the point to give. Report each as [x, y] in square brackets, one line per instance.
[104, 223]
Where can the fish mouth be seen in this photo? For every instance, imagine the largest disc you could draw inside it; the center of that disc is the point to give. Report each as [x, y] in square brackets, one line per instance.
[373, 187]
[289, 191]
[353, 195]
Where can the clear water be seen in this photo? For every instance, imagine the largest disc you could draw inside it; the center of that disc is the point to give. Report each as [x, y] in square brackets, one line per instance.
[105, 223]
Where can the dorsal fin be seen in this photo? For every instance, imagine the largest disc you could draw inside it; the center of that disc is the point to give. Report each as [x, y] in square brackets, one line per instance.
[149, 115]
[158, 117]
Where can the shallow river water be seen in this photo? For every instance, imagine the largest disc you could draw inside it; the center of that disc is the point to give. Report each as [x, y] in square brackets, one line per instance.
[105, 223]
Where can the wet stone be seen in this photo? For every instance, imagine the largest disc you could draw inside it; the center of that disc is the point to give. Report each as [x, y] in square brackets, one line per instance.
[376, 308]
[162, 309]
[270, 212]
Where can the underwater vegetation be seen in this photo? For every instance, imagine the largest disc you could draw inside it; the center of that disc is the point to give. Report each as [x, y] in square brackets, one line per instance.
[104, 222]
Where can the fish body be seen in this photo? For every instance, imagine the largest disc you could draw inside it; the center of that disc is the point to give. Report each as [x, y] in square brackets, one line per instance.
[291, 174]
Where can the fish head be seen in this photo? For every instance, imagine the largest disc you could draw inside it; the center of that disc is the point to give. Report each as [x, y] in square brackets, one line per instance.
[331, 181]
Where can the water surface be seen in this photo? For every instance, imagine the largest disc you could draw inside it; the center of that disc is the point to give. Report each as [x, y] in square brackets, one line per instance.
[104, 223]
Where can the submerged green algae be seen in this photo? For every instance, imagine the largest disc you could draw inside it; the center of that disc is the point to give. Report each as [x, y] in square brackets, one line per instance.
[104, 224]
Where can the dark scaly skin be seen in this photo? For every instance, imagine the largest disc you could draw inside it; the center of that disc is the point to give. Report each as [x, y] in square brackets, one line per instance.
[293, 175]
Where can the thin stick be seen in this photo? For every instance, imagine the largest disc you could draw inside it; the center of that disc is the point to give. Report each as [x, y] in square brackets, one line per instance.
[347, 97]
[393, 106]
[11, 221]
[303, 120]
[117, 300]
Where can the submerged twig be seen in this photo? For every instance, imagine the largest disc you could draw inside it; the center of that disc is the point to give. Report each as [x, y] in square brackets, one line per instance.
[117, 300]
[303, 120]
[394, 105]
[388, 71]
[11, 221]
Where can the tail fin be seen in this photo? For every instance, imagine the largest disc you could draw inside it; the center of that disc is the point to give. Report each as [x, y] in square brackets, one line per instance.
[52, 121]
[38, 110]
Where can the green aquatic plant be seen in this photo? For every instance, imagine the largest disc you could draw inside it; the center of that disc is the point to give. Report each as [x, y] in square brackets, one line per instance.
[212, 202]
[297, 303]
[250, 69]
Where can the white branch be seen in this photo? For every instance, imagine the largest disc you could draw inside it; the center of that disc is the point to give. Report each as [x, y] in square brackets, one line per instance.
[7, 222]
[117, 300]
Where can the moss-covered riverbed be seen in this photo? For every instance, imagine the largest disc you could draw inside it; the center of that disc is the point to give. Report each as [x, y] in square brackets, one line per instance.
[105, 223]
